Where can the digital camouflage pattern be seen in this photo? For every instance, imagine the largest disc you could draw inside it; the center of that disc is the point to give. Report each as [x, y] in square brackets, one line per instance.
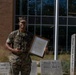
[20, 62]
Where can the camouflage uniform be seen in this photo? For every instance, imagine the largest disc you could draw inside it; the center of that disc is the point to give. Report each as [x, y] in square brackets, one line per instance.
[20, 62]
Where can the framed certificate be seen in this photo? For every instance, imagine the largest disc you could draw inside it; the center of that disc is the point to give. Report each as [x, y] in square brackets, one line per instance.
[38, 46]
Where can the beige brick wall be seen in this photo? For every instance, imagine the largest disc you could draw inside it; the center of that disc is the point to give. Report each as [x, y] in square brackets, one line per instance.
[6, 19]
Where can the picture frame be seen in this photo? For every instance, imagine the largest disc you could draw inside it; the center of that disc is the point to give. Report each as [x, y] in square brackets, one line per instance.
[38, 46]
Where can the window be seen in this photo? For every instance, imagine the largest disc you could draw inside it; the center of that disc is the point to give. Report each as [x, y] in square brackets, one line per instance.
[72, 8]
[40, 16]
[62, 7]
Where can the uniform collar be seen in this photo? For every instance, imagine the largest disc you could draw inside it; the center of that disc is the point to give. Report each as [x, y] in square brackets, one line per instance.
[25, 33]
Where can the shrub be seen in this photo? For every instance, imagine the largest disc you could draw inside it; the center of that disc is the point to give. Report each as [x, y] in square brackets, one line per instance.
[66, 67]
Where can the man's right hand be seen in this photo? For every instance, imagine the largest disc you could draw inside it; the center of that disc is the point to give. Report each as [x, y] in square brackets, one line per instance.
[16, 50]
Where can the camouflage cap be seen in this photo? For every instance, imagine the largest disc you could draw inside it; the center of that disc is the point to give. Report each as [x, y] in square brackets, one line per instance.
[22, 19]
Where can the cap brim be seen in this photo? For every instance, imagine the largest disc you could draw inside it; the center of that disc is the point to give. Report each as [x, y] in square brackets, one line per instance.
[23, 21]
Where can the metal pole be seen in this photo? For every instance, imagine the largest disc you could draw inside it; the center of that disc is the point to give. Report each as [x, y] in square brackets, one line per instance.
[56, 32]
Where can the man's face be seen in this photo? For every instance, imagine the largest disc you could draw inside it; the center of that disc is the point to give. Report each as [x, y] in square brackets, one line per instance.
[22, 25]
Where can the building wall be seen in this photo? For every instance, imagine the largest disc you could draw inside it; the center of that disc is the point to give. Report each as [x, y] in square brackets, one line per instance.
[6, 19]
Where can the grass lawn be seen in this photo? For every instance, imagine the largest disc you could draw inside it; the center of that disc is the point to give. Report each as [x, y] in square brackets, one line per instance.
[65, 59]
[5, 53]
[51, 57]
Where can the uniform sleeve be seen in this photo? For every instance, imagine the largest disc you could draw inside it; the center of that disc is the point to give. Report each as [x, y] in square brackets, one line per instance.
[10, 38]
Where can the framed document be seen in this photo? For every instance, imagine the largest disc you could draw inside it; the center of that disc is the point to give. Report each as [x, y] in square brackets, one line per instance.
[38, 46]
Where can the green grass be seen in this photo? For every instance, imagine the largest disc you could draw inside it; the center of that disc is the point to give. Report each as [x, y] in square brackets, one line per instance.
[4, 55]
[63, 74]
[48, 57]
[65, 59]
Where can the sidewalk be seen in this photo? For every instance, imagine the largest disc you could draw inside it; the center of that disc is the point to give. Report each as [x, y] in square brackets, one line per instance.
[38, 70]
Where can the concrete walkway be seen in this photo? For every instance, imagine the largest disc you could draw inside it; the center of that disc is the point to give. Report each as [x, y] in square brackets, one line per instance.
[38, 70]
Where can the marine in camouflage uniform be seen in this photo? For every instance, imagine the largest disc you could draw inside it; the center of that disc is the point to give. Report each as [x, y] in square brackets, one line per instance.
[20, 62]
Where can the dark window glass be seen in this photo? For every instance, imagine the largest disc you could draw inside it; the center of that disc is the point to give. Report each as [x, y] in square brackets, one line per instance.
[62, 7]
[34, 20]
[32, 7]
[47, 20]
[16, 19]
[47, 32]
[62, 39]
[38, 20]
[21, 7]
[38, 7]
[24, 7]
[31, 28]
[71, 21]
[37, 29]
[16, 27]
[72, 7]
[17, 7]
[48, 7]
[31, 20]
[62, 20]
[71, 31]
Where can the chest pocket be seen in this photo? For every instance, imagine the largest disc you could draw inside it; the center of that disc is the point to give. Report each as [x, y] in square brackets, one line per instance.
[17, 42]
[20, 42]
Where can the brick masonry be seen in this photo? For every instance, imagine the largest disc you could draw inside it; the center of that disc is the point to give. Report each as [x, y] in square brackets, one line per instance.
[6, 19]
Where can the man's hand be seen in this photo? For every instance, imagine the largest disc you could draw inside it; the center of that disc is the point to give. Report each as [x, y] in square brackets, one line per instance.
[16, 50]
